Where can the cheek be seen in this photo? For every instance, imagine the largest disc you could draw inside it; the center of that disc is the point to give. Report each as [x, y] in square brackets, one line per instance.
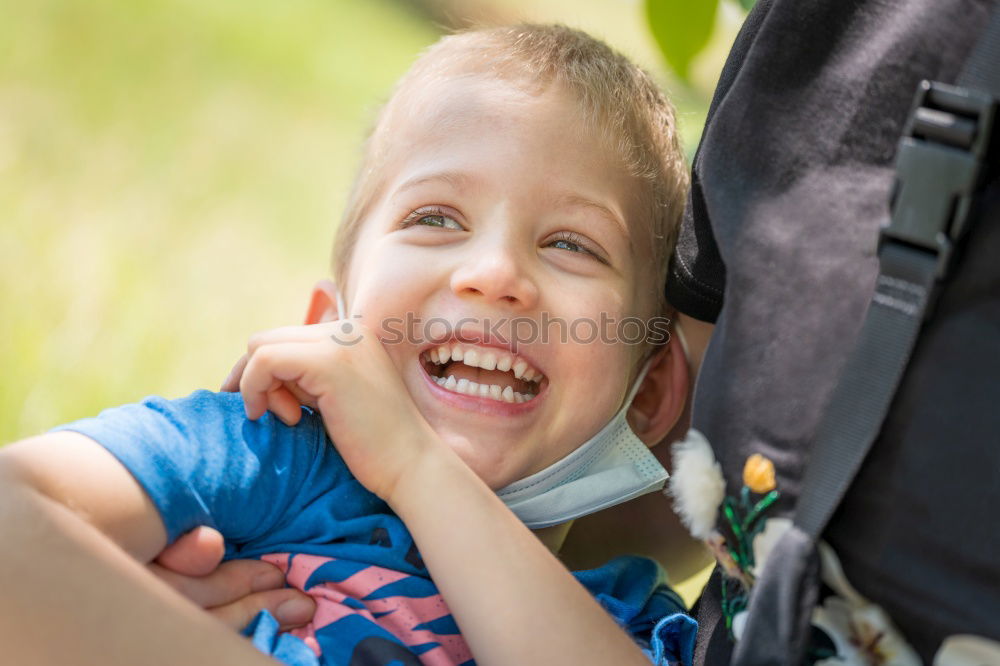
[387, 281]
[594, 387]
[592, 314]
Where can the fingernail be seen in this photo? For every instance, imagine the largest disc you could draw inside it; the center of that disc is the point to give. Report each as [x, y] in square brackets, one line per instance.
[267, 580]
[295, 611]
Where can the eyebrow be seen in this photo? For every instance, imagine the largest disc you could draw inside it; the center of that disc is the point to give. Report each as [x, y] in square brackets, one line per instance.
[570, 199]
[457, 179]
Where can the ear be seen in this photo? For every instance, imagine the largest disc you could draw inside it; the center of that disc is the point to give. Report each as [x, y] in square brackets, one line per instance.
[660, 401]
[322, 303]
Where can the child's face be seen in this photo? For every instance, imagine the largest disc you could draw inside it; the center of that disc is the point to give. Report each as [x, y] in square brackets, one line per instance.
[497, 205]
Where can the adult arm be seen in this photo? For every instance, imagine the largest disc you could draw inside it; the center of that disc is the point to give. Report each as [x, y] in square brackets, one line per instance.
[77, 529]
[235, 591]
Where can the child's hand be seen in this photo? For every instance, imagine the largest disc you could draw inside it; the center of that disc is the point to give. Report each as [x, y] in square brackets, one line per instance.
[357, 389]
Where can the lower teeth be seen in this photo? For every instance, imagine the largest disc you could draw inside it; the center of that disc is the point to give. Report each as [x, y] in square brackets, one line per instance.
[491, 391]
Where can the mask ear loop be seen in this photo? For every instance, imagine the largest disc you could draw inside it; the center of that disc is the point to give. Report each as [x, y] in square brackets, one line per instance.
[340, 305]
[636, 384]
[645, 366]
[684, 343]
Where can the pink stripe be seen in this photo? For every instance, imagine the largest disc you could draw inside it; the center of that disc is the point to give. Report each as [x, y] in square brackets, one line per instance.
[403, 613]
[448, 654]
[409, 613]
[369, 580]
[279, 560]
[330, 606]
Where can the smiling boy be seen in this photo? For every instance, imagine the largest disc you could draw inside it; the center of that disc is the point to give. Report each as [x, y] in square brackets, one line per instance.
[515, 172]
[458, 231]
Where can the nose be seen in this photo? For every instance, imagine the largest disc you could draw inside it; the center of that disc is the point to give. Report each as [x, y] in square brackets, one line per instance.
[496, 271]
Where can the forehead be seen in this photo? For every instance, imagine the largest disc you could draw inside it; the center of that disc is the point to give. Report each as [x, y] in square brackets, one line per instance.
[432, 108]
[537, 140]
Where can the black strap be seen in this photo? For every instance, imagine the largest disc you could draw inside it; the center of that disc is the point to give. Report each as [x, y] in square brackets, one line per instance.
[982, 69]
[938, 168]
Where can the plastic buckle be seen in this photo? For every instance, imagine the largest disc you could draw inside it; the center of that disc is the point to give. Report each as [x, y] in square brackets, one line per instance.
[938, 168]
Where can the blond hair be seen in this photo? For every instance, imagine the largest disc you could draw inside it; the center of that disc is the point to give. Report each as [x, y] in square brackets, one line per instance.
[618, 98]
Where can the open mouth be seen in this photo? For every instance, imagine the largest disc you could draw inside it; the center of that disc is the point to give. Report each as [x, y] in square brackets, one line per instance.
[486, 372]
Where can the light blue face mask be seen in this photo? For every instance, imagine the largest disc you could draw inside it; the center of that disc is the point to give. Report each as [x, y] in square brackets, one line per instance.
[611, 467]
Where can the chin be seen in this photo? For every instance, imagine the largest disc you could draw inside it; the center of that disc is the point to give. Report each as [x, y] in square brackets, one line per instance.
[492, 467]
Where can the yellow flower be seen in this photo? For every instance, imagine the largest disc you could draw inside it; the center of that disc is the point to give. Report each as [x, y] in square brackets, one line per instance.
[758, 474]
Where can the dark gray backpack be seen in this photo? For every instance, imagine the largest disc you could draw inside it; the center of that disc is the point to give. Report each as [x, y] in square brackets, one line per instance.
[887, 449]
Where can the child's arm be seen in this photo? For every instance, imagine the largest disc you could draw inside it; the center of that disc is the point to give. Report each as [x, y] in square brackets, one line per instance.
[76, 527]
[514, 602]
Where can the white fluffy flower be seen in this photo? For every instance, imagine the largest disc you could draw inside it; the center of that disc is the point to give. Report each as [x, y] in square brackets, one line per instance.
[766, 540]
[696, 484]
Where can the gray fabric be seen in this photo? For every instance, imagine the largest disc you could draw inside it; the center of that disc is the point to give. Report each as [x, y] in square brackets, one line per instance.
[780, 607]
[981, 71]
[791, 181]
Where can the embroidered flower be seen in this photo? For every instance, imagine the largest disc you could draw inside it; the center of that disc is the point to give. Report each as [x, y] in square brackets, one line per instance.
[696, 485]
[764, 542]
[699, 493]
[736, 545]
[864, 636]
[739, 624]
[717, 544]
[863, 633]
[758, 474]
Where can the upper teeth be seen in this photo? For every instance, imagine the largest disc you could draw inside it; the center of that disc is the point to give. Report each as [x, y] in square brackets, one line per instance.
[488, 359]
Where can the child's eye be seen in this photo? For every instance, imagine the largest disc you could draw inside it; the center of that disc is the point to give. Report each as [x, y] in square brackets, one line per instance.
[576, 243]
[430, 216]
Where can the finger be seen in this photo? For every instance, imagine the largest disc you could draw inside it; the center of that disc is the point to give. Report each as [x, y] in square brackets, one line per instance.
[228, 583]
[285, 405]
[304, 398]
[306, 333]
[232, 382]
[196, 553]
[292, 608]
[269, 367]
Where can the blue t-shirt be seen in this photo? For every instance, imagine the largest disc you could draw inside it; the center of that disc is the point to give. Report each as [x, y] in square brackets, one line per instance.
[285, 495]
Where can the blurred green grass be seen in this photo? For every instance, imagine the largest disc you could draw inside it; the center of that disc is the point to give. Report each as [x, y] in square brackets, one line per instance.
[170, 178]
[171, 174]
